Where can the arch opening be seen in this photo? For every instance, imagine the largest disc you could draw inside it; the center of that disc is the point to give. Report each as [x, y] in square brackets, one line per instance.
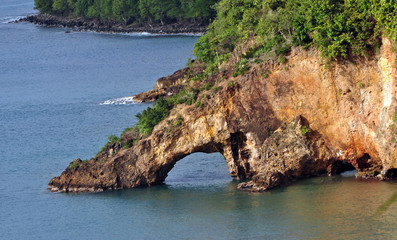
[340, 167]
[199, 170]
[392, 173]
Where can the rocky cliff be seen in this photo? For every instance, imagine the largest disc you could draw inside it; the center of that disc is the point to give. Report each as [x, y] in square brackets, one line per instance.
[274, 124]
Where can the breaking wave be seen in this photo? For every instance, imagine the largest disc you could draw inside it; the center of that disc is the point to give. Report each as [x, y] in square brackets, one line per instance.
[10, 19]
[119, 101]
[146, 34]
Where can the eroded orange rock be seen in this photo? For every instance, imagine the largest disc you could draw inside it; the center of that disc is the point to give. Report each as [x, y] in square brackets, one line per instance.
[300, 119]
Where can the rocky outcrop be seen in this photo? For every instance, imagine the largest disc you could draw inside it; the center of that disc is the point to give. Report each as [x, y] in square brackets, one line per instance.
[275, 124]
[83, 24]
[165, 86]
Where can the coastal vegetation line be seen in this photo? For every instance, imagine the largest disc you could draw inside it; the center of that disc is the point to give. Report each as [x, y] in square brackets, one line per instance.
[132, 11]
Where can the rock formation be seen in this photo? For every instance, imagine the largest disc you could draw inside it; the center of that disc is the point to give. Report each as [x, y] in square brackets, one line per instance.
[274, 124]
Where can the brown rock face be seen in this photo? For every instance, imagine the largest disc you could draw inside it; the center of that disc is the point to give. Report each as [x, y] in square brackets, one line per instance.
[301, 120]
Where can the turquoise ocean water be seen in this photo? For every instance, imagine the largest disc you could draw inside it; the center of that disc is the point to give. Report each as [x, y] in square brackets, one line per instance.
[52, 86]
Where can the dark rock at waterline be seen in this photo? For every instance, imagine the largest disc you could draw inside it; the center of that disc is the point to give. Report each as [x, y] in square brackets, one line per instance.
[83, 24]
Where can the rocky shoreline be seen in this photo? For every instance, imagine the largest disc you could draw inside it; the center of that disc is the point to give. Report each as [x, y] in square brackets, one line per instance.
[82, 24]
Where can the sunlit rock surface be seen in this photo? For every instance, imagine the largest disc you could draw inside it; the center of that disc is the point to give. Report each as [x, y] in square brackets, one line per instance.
[302, 119]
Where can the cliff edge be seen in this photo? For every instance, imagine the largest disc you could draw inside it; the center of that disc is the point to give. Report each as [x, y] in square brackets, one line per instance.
[275, 123]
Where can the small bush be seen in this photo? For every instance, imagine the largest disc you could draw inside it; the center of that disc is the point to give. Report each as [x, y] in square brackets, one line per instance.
[199, 104]
[241, 67]
[189, 62]
[282, 59]
[76, 163]
[304, 130]
[282, 50]
[152, 116]
[254, 52]
[128, 144]
[113, 139]
[199, 77]
[178, 120]
[184, 96]
[129, 129]
[232, 84]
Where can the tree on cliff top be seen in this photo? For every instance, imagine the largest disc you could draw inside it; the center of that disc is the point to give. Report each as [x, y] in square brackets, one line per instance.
[338, 28]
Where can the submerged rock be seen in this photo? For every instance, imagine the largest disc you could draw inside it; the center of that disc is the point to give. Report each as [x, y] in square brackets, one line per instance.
[300, 119]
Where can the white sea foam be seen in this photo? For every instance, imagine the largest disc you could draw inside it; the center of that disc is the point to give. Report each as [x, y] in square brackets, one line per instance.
[119, 101]
[146, 34]
[10, 19]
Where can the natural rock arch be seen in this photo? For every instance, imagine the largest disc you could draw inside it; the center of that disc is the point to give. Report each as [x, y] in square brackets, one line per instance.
[200, 169]
[257, 124]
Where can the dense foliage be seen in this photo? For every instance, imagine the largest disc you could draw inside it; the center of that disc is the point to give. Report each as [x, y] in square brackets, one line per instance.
[338, 28]
[161, 108]
[152, 116]
[128, 11]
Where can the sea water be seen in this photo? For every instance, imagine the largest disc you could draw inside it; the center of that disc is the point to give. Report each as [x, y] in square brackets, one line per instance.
[62, 94]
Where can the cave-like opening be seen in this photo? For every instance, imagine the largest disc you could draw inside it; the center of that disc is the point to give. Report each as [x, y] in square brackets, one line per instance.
[199, 170]
[341, 167]
[392, 173]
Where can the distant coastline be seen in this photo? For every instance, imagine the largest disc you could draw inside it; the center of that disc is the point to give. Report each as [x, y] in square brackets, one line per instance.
[83, 24]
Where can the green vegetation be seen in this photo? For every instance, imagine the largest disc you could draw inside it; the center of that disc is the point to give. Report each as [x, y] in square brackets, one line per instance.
[265, 74]
[338, 28]
[129, 11]
[184, 96]
[199, 104]
[304, 130]
[113, 139]
[208, 86]
[217, 89]
[231, 84]
[245, 32]
[152, 116]
[178, 120]
[282, 59]
[76, 163]
[241, 67]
